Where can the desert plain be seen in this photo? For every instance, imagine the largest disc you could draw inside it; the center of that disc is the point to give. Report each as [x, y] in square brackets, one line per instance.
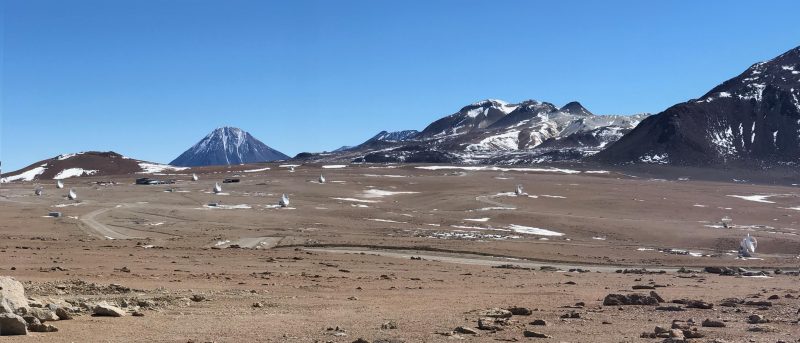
[406, 253]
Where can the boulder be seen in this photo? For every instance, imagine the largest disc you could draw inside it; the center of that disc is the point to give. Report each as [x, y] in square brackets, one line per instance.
[106, 310]
[42, 314]
[12, 295]
[12, 324]
[630, 299]
[710, 323]
[534, 334]
[495, 313]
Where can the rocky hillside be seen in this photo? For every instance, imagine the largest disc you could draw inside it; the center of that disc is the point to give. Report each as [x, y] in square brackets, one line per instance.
[750, 120]
[91, 163]
[497, 131]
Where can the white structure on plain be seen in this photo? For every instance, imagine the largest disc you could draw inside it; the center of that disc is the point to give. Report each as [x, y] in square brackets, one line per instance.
[284, 202]
[518, 190]
[72, 195]
[726, 221]
[194, 177]
[217, 188]
[291, 169]
[38, 191]
[321, 179]
[59, 184]
[748, 246]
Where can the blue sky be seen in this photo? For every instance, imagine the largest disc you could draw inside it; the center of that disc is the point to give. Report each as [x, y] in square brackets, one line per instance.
[150, 78]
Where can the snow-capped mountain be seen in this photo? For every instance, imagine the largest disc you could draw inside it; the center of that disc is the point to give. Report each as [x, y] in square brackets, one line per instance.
[227, 146]
[491, 129]
[752, 119]
[91, 163]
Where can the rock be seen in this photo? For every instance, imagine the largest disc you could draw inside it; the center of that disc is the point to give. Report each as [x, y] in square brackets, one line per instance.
[693, 334]
[137, 314]
[258, 305]
[63, 313]
[676, 334]
[761, 329]
[493, 324]
[12, 295]
[534, 334]
[12, 324]
[774, 297]
[198, 297]
[520, 311]
[361, 340]
[495, 313]
[106, 310]
[760, 303]
[637, 287]
[539, 322]
[571, 315]
[657, 297]
[42, 314]
[631, 299]
[466, 330]
[710, 323]
[42, 328]
[695, 304]
[390, 325]
[757, 319]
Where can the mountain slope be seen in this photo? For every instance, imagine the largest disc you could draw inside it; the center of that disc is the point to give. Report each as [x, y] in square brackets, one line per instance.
[92, 163]
[750, 120]
[497, 131]
[227, 146]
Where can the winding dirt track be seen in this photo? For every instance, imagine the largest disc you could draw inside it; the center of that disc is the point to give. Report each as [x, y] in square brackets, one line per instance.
[99, 229]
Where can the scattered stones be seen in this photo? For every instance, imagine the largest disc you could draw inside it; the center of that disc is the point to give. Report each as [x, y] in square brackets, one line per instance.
[106, 310]
[630, 299]
[390, 325]
[571, 315]
[495, 313]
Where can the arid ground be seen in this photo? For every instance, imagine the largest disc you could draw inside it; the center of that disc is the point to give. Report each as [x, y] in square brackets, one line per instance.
[390, 253]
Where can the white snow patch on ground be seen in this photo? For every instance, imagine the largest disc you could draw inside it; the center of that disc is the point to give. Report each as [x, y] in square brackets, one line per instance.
[150, 168]
[492, 168]
[26, 176]
[533, 230]
[383, 175]
[495, 208]
[756, 198]
[377, 193]
[67, 156]
[73, 172]
[597, 172]
[334, 166]
[385, 220]
[552, 196]
[230, 207]
[356, 200]
[256, 170]
[486, 219]
[288, 166]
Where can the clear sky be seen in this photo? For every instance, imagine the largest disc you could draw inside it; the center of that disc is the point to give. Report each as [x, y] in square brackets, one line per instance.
[150, 78]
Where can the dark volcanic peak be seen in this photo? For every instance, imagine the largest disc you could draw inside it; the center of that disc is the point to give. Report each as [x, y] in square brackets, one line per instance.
[227, 146]
[90, 163]
[575, 108]
[751, 120]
